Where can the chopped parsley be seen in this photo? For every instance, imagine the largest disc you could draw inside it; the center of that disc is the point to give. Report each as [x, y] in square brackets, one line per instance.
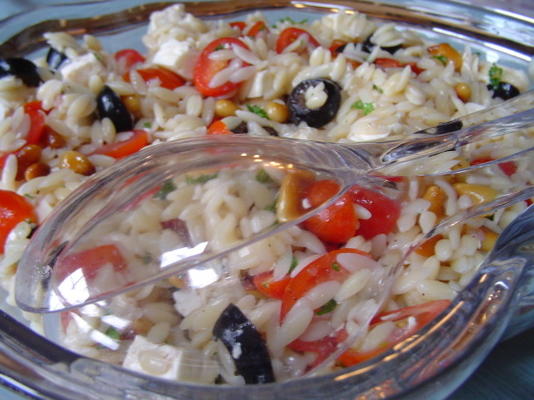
[257, 110]
[442, 59]
[336, 266]
[367, 108]
[326, 308]
[147, 125]
[291, 21]
[29, 196]
[263, 177]
[219, 47]
[294, 263]
[146, 258]
[167, 187]
[271, 207]
[200, 179]
[378, 89]
[114, 334]
[495, 76]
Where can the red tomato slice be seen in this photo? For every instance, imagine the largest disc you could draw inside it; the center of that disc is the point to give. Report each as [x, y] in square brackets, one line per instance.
[289, 35]
[239, 25]
[384, 212]
[127, 58]
[219, 128]
[508, 167]
[206, 68]
[265, 285]
[423, 314]
[323, 269]
[36, 114]
[168, 79]
[392, 63]
[135, 142]
[336, 224]
[322, 347]
[257, 28]
[13, 210]
[90, 261]
[336, 44]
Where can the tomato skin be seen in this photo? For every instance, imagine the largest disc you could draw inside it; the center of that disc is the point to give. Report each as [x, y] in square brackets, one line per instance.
[168, 79]
[127, 58]
[133, 144]
[384, 211]
[218, 128]
[289, 35]
[322, 347]
[13, 209]
[337, 223]
[206, 68]
[90, 261]
[392, 63]
[265, 285]
[36, 114]
[257, 28]
[238, 25]
[318, 271]
[423, 314]
[508, 167]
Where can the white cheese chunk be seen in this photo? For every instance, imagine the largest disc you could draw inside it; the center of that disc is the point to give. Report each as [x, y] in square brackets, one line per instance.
[179, 56]
[81, 69]
[170, 362]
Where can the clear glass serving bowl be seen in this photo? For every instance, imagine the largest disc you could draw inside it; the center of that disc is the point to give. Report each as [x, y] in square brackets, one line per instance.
[431, 364]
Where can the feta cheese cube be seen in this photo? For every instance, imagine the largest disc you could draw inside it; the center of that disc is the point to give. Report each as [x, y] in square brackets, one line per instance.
[81, 69]
[177, 55]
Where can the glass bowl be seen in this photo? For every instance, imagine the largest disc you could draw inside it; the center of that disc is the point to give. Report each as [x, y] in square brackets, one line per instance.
[430, 364]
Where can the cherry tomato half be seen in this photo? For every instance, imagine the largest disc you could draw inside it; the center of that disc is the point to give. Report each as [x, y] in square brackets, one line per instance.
[218, 128]
[289, 35]
[508, 167]
[335, 224]
[127, 58]
[13, 209]
[384, 212]
[36, 114]
[265, 285]
[392, 63]
[137, 139]
[206, 68]
[258, 27]
[168, 79]
[323, 269]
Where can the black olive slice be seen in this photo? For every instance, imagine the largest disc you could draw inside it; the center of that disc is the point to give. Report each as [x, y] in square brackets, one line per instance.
[320, 116]
[21, 68]
[109, 105]
[241, 128]
[504, 90]
[368, 46]
[55, 58]
[245, 345]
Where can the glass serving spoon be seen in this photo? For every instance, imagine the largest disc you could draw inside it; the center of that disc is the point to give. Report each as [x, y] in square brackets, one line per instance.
[91, 246]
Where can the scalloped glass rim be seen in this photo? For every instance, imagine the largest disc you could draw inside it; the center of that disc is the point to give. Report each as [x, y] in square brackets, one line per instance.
[449, 348]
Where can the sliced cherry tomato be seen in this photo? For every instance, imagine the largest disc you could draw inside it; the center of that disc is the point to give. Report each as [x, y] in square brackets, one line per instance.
[335, 45]
[322, 347]
[337, 223]
[323, 269]
[265, 285]
[384, 212]
[13, 210]
[36, 114]
[508, 167]
[206, 68]
[257, 28]
[127, 58]
[168, 79]
[91, 261]
[392, 63]
[219, 128]
[422, 313]
[137, 139]
[289, 35]
[239, 25]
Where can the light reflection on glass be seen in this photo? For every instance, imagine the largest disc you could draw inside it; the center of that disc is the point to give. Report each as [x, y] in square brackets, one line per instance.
[171, 257]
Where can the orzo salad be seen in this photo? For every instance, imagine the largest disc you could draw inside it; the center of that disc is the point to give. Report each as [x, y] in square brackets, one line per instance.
[283, 304]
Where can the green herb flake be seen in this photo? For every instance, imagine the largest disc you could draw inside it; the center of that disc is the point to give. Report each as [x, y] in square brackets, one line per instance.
[147, 125]
[294, 263]
[114, 334]
[195, 180]
[100, 59]
[167, 187]
[263, 177]
[146, 258]
[336, 266]
[378, 89]
[495, 76]
[271, 207]
[442, 59]
[219, 47]
[326, 308]
[29, 196]
[257, 110]
[367, 108]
